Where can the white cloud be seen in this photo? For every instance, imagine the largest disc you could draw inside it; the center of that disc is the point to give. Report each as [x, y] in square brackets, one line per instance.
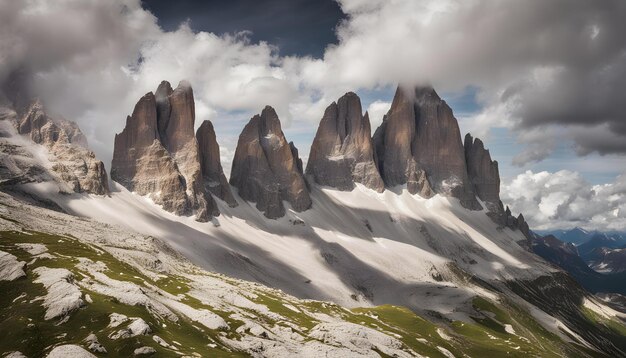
[533, 62]
[564, 200]
[376, 111]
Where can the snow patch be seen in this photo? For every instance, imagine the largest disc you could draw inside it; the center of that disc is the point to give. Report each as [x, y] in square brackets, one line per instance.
[445, 352]
[509, 329]
[443, 334]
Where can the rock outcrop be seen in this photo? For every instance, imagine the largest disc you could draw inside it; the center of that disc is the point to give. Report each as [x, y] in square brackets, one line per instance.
[482, 171]
[180, 141]
[71, 162]
[419, 143]
[143, 165]
[212, 173]
[265, 169]
[157, 153]
[342, 153]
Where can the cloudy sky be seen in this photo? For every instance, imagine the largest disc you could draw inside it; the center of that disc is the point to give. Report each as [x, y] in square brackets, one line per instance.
[542, 82]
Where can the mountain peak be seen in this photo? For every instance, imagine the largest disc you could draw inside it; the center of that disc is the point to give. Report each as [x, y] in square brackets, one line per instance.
[420, 137]
[342, 152]
[266, 169]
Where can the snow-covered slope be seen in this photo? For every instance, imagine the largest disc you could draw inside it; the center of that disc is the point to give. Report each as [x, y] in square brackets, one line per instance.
[111, 291]
[354, 248]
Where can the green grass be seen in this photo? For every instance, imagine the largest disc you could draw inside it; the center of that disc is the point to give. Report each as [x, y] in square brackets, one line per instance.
[27, 331]
[23, 327]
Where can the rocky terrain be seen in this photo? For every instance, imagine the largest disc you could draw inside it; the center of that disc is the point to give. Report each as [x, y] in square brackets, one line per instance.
[482, 172]
[105, 291]
[57, 151]
[213, 176]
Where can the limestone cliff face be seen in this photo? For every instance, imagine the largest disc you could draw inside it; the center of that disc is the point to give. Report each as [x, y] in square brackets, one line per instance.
[212, 173]
[342, 152]
[482, 171]
[72, 163]
[419, 144]
[265, 170]
[143, 165]
[181, 143]
[157, 153]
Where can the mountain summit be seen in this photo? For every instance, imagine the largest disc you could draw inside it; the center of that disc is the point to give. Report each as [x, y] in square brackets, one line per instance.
[419, 144]
[157, 154]
[342, 152]
[266, 168]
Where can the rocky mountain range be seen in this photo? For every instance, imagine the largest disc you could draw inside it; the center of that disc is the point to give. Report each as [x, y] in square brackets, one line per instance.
[418, 145]
[395, 244]
[342, 152]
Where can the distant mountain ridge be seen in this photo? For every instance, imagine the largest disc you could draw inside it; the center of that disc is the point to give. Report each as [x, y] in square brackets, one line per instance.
[578, 236]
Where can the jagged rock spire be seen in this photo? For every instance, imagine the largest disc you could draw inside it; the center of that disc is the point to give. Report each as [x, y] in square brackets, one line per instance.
[142, 164]
[212, 173]
[265, 170]
[157, 153]
[420, 142]
[482, 171]
[342, 152]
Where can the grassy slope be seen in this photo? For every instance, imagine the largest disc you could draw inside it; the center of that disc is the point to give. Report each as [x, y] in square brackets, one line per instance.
[24, 329]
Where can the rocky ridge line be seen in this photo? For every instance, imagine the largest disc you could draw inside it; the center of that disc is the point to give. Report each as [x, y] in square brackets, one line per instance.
[72, 165]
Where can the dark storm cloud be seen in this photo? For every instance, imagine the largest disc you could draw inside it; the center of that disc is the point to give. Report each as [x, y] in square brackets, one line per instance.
[296, 27]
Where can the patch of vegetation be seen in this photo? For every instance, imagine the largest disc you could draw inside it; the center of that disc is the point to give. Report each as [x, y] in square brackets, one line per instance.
[28, 332]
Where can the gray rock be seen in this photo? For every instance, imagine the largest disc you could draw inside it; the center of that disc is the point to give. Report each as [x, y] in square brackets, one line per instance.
[181, 143]
[143, 165]
[144, 351]
[157, 153]
[72, 163]
[265, 170]
[342, 152]
[163, 108]
[420, 133]
[212, 173]
[482, 171]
